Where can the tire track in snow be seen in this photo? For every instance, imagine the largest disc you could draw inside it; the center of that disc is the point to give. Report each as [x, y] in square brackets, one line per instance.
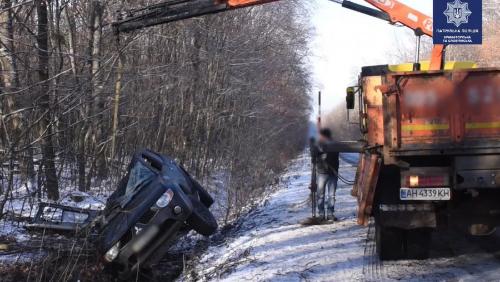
[372, 268]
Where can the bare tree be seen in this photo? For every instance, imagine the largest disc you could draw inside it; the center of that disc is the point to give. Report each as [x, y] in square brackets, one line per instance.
[45, 126]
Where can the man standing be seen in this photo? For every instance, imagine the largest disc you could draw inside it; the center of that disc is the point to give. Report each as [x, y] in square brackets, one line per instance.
[327, 176]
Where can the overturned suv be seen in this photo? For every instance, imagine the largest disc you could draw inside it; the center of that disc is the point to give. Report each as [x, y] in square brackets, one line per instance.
[155, 203]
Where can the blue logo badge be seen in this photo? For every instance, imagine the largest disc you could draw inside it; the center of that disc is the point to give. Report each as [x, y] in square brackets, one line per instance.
[458, 22]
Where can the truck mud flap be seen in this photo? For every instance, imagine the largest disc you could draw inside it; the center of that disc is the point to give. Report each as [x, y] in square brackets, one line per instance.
[368, 171]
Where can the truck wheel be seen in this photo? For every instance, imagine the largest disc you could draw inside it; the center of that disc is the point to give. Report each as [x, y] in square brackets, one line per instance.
[418, 243]
[389, 242]
[201, 219]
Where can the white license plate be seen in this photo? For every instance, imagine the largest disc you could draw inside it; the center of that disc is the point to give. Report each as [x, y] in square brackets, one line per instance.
[425, 194]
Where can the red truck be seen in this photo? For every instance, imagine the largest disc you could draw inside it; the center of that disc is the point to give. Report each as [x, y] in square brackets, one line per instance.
[431, 156]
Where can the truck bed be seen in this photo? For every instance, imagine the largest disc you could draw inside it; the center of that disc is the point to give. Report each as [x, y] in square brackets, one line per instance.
[451, 112]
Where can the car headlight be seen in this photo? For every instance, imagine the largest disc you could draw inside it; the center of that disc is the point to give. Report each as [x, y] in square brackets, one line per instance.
[165, 199]
[112, 253]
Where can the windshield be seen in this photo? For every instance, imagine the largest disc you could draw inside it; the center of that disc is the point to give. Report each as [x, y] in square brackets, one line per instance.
[139, 175]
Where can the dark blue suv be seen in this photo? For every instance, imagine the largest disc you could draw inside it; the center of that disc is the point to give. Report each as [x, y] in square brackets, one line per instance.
[155, 203]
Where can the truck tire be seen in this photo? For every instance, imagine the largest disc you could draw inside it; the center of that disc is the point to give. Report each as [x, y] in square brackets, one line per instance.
[389, 242]
[201, 219]
[418, 243]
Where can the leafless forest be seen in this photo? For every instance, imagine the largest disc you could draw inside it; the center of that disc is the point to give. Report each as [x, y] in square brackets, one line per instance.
[226, 92]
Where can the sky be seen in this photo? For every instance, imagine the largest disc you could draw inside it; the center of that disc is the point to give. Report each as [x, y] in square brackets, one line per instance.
[345, 40]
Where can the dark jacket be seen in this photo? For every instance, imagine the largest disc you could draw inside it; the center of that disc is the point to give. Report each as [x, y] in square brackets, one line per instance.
[326, 163]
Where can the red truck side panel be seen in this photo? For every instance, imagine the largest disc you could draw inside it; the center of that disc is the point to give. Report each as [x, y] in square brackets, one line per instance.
[453, 109]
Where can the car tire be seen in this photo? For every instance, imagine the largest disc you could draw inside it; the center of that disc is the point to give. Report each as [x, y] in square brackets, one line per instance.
[201, 219]
[203, 195]
[389, 242]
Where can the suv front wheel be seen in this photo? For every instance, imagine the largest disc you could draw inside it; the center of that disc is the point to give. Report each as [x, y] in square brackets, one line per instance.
[201, 219]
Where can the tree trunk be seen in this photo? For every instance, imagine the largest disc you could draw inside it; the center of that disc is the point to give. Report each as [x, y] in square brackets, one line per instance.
[97, 92]
[80, 131]
[118, 90]
[45, 124]
[8, 73]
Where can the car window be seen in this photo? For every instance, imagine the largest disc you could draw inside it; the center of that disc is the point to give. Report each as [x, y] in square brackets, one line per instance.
[139, 174]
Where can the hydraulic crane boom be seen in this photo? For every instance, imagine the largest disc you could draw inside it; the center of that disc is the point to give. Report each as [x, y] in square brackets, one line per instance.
[392, 11]
[176, 10]
[417, 21]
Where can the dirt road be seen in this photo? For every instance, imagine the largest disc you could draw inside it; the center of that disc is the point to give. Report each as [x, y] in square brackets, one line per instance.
[271, 245]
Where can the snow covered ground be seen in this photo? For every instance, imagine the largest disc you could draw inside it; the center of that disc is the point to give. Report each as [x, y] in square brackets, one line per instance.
[272, 245]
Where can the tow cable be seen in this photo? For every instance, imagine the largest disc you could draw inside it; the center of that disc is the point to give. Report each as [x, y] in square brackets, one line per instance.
[340, 177]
